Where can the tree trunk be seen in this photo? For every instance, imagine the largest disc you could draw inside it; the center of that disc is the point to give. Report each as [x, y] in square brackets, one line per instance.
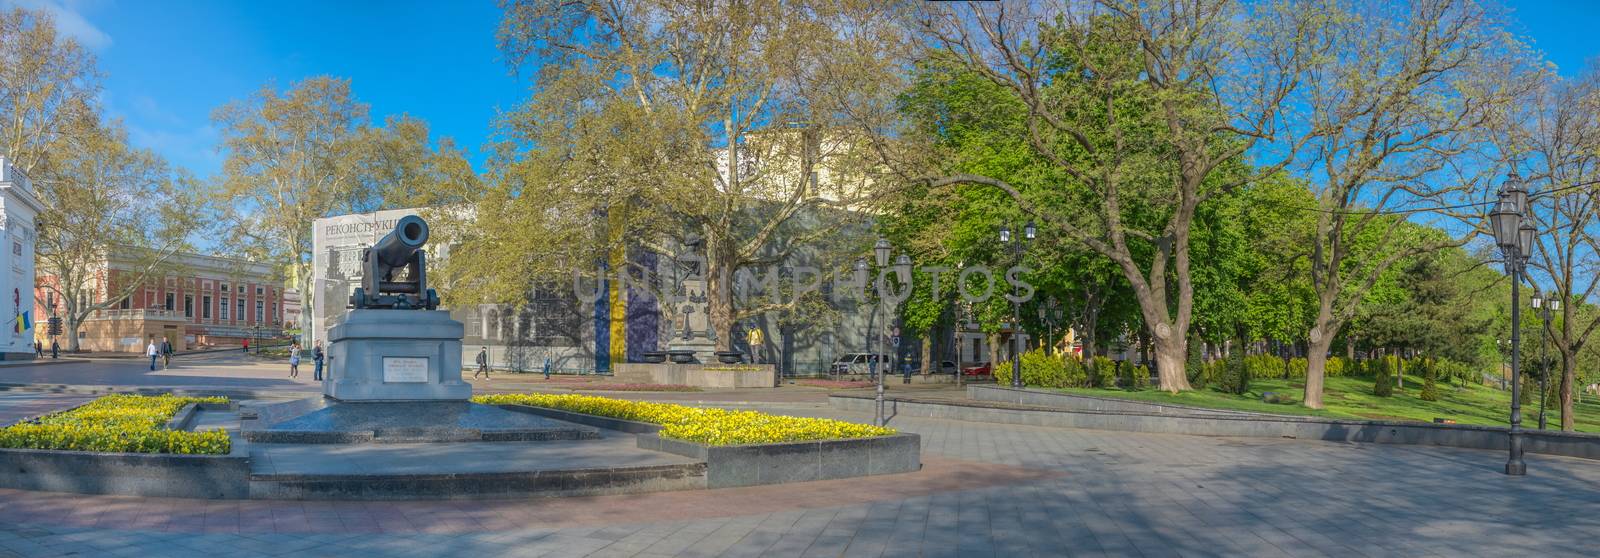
[1567, 380]
[720, 262]
[72, 323]
[927, 354]
[1171, 349]
[1321, 339]
[994, 351]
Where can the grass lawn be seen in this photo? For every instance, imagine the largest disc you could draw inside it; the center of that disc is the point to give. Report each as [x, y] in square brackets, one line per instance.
[1351, 398]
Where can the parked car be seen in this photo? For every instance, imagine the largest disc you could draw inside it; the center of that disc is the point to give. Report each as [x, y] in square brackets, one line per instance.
[855, 363]
[979, 370]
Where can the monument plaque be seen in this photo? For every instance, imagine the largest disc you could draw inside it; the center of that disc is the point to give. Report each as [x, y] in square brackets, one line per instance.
[405, 369]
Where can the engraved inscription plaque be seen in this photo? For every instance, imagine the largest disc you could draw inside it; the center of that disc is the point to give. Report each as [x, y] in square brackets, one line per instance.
[405, 369]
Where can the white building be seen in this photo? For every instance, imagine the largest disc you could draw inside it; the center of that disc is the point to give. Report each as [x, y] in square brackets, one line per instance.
[19, 209]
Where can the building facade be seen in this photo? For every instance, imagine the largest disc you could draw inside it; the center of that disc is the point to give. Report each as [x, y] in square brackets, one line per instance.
[19, 208]
[200, 302]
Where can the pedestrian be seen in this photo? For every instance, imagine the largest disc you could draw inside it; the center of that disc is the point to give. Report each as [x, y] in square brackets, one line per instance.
[152, 351]
[756, 340]
[483, 363]
[38, 349]
[246, 346]
[316, 359]
[55, 349]
[547, 366]
[166, 353]
[294, 360]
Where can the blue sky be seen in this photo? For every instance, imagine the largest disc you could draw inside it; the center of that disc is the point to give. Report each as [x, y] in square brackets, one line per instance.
[169, 63]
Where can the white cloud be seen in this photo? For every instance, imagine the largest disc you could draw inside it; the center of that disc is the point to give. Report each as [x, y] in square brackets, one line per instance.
[69, 20]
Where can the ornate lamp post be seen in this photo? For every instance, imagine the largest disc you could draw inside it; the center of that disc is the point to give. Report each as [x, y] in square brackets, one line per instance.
[1017, 248]
[1545, 306]
[880, 251]
[1514, 235]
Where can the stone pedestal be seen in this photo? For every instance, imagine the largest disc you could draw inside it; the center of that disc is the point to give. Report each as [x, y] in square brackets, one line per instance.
[395, 355]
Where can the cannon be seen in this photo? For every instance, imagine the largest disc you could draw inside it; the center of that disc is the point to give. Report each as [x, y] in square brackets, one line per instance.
[399, 250]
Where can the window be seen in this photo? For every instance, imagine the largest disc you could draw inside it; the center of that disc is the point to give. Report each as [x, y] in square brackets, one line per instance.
[188, 306]
[274, 312]
[258, 311]
[205, 307]
[239, 310]
[224, 309]
[125, 302]
[241, 289]
[224, 287]
[258, 291]
[170, 299]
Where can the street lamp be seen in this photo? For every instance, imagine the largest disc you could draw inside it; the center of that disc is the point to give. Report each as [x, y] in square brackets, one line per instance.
[1515, 238]
[880, 252]
[1548, 305]
[1029, 232]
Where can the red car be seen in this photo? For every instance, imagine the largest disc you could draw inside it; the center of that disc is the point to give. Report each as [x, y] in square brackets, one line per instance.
[979, 370]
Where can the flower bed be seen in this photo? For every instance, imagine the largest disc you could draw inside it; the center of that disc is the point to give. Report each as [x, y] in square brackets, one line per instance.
[634, 387]
[715, 427]
[118, 423]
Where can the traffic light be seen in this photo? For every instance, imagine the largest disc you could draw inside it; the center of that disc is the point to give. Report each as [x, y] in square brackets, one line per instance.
[55, 326]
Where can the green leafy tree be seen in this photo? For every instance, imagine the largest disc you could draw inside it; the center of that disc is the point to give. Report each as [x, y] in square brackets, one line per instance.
[1122, 126]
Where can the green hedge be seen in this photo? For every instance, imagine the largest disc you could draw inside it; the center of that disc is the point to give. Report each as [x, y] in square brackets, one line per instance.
[118, 423]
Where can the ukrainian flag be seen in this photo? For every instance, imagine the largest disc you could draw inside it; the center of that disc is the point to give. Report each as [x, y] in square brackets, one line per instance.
[25, 321]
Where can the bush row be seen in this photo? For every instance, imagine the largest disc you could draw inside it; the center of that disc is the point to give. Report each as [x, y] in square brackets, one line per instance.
[118, 423]
[1040, 369]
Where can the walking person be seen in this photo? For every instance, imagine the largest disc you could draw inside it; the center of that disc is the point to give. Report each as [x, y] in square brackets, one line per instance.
[547, 366]
[483, 363]
[294, 360]
[316, 359]
[152, 351]
[38, 349]
[166, 353]
[246, 346]
[55, 349]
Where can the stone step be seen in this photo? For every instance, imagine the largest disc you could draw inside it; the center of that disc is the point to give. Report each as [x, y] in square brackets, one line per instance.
[519, 484]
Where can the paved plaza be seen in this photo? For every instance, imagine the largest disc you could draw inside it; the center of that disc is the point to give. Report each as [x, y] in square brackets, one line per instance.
[986, 490]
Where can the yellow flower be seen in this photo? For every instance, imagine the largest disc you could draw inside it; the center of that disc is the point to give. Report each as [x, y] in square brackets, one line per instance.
[706, 426]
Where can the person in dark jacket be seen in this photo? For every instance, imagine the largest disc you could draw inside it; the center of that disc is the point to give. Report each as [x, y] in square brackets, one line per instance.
[316, 358]
[483, 363]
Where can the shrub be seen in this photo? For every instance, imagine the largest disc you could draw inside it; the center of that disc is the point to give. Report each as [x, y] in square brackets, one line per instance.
[1382, 381]
[1133, 376]
[1430, 376]
[1001, 371]
[1102, 372]
[1199, 375]
[1298, 367]
[710, 426]
[1333, 367]
[118, 423]
[1233, 375]
[1041, 369]
[1263, 366]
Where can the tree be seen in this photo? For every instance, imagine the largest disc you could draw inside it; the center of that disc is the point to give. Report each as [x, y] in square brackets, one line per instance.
[1559, 133]
[660, 124]
[47, 81]
[1133, 106]
[1394, 93]
[107, 202]
[311, 152]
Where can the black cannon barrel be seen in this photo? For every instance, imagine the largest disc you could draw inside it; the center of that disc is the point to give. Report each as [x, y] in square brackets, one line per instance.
[395, 249]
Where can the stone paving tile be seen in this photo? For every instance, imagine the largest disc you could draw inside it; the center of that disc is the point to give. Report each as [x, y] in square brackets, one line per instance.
[990, 490]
